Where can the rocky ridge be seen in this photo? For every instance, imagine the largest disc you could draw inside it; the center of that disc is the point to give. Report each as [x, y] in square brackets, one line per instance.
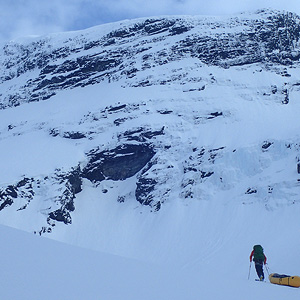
[87, 58]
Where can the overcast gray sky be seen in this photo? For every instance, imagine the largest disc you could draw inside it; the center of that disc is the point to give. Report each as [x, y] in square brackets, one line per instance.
[39, 17]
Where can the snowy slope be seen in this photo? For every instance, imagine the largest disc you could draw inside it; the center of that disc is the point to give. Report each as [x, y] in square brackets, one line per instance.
[171, 141]
[37, 268]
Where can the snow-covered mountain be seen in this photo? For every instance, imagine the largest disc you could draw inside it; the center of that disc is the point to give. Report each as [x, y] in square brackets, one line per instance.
[166, 139]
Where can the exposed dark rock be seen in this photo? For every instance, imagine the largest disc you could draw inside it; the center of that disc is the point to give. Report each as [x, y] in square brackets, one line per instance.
[119, 121]
[214, 115]
[187, 183]
[274, 89]
[189, 169]
[196, 89]
[179, 29]
[144, 188]
[213, 153]
[72, 184]
[44, 230]
[74, 135]
[286, 99]
[54, 132]
[121, 199]
[22, 189]
[5, 200]
[61, 215]
[206, 174]
[157, 206]
[266, 145]
[141, 134]
[251, 191]
[75, 181]
[165, 112]
[119, 163]
[11, 191]
[25, 191]
[116, 108]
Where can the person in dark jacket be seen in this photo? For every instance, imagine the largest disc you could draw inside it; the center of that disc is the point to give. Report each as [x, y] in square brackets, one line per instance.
[259, 258]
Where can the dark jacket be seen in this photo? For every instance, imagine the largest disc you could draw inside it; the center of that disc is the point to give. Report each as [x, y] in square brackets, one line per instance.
[251, 256]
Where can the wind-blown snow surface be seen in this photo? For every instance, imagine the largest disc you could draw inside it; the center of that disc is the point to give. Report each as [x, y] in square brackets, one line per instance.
[34, 267]
[225, 171]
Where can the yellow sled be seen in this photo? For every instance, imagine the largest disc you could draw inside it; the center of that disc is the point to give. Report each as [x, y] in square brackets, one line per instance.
[285, 279]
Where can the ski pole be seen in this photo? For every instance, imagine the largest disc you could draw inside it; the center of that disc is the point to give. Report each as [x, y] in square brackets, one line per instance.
[249, 270]
[267, 269]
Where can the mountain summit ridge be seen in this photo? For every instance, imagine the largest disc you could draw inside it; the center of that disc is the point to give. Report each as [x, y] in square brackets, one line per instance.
[81, 59]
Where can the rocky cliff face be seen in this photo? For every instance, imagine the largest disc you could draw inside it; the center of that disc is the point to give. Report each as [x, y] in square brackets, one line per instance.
[194, 83]
[81, 59]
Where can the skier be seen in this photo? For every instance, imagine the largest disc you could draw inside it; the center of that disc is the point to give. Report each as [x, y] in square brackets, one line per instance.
[259, 259]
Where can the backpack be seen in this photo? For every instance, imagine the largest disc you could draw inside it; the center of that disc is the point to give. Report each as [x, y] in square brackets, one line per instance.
[258, 253]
